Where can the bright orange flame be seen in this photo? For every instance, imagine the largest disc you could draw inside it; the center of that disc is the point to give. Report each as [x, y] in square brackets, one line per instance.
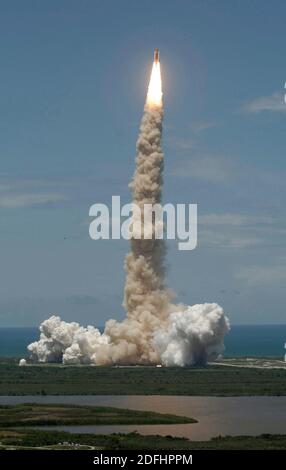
[154, 95]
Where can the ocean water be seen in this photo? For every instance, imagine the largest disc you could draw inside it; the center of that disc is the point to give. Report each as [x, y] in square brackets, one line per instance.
[14, 341]
[242, 340]
[256, 341]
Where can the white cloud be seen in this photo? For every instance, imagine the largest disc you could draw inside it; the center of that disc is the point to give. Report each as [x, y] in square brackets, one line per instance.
[226, 239]
[200, 126]
[263, 275]
[11, 201]
[274, 103]
[234, 219]
[211, 169]
[182, 144]
[4, 187]
[239, 231]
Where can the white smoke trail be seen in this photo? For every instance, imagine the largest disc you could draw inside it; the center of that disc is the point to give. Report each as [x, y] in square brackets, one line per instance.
[154, 331]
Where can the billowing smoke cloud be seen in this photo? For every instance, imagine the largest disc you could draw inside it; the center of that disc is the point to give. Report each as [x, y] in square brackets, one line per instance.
[154, 330]
[194, 336]
[65, 342]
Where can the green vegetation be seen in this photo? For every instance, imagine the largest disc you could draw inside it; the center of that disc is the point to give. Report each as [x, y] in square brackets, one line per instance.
[86, 380]
[31, 439]
[32, 414]
[17, 422]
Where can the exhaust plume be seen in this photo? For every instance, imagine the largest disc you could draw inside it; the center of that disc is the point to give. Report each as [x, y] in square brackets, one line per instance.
[154, 330]
[146, 299]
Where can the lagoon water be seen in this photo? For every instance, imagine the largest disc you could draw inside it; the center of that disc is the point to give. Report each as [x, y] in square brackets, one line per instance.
[242, 340]
[215, 415]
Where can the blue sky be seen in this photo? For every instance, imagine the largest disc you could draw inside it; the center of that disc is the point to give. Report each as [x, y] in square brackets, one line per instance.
[73, 84]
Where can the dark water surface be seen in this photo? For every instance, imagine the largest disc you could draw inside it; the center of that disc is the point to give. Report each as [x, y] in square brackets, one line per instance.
[216, 415]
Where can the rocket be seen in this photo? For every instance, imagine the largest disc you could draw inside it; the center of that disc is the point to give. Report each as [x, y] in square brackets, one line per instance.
[156, 56]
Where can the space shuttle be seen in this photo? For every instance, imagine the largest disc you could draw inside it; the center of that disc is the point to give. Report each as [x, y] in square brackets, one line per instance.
[156, 56]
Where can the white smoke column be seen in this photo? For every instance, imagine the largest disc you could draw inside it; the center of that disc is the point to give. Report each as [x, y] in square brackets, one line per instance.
[154, 331]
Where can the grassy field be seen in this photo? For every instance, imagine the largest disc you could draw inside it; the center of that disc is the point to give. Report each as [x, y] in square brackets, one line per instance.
[31, 439]
[32, 414]
[72, 380]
